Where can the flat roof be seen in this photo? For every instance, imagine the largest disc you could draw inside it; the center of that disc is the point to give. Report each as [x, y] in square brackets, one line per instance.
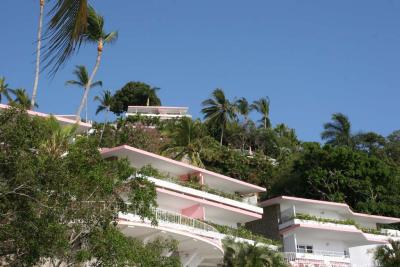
[161, 109]
[336, 205]
[62, 119]
[213, 179]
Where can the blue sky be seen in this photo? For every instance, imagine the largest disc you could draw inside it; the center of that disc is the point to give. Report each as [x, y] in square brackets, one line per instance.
[312, 58]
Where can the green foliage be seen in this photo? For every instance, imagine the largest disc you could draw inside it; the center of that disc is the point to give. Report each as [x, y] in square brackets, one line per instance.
[302, 216]
[365, 182]
[56, 193]
[143, 120]
[338, 132]
[388, 255]
[241, 254]
[243, 233]
[134, 94]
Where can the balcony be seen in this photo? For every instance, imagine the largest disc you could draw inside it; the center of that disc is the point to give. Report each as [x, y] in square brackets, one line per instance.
[317, 258]
[205, 195]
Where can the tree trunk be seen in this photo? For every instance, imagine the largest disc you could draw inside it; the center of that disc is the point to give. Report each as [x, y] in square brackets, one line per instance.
[148, 101]
[87, 87]
[222, 135]
[265, 122]
[38, 47]
[104, 126]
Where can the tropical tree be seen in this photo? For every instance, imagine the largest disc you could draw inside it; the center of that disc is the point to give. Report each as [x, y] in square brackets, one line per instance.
[186, 141]
[243, 107]
[66, 31]
[105, 101]
[95, 34]
[135, 94]
[219, 111]
[242, 254]
[82, 80]
[262, 107]
[4, 89]
[338, 132]
[38, 51]
[388, 255]
[22, 98]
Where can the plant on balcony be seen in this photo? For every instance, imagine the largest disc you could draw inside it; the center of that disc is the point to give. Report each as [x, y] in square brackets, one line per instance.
[302, 216]
[144, 120]
[243, 233]
[192, 182]
[241, 254]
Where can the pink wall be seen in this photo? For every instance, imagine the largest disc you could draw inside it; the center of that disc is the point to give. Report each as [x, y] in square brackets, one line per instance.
[195, 211]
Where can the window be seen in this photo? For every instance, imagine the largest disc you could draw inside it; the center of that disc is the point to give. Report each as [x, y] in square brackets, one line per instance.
[304, 248]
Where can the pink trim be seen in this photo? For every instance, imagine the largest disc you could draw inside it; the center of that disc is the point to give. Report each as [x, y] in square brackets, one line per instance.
[210, 203]
[195, 211]
[44, 115]
[279, 199]
[329, 228]
[195, 169]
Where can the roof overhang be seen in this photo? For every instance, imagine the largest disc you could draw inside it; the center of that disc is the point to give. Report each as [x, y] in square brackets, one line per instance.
[140, 158]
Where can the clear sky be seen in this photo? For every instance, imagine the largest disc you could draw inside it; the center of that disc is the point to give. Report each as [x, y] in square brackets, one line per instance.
[311, 57]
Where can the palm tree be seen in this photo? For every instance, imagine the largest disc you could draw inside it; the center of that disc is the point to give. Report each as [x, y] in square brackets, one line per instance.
[4, 89]
[95, 34]
[66, 31]
[38, 51]
[242, 254]
[150, 93]
[106, 101]
[388, 255]
[242, 105]
[262, 107]
[22, 98]
[186, 141]
[338, 132]
[219, 110]
[82, 80]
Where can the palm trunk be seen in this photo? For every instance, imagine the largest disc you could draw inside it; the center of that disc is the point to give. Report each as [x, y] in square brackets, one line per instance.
[104, 126]
[148, 101]
[222, 135]
[39, 44]
[265, 122]
[87, 87]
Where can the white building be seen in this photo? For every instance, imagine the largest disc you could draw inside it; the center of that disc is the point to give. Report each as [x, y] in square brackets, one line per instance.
[321, 233]
[183, 212]
[161, 112]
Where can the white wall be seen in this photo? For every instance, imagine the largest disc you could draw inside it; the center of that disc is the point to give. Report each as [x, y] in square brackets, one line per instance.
[362, 256]
[289, 243]
[324, 244]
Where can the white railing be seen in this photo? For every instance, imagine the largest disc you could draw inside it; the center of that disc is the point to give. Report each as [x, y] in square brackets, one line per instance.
[176, 218]
[334, 257]
[328, 253]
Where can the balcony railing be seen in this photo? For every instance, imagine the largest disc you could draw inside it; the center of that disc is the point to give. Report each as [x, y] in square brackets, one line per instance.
[176, 218]
[335, 257]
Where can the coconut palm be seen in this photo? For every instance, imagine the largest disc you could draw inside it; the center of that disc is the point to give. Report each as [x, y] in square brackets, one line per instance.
[82, 80]
[186, 141]
[388, 255]
[22, 98]
[338, 132]
[38, 51]
[4, 89]
[218, 111]
[242, 254]
[66, 31]
[150, 93]
[95, 34]
[243, 107]
[105, 101]
[262, 107]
